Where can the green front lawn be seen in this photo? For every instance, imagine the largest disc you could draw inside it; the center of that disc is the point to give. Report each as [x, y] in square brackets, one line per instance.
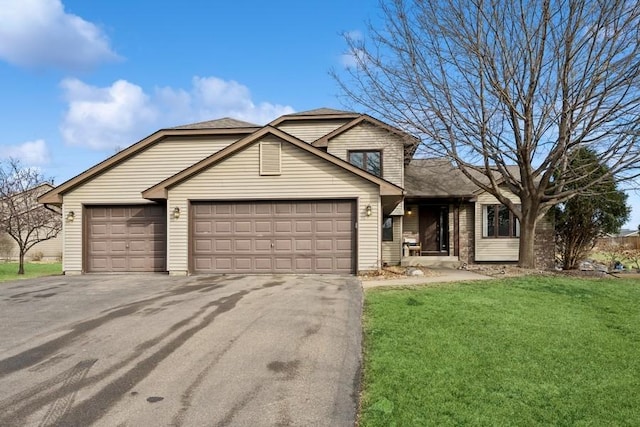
[9, 270]
[520, 351]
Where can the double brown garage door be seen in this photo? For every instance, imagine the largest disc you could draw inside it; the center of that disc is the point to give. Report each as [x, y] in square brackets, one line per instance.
[125, 238]
[273, 237]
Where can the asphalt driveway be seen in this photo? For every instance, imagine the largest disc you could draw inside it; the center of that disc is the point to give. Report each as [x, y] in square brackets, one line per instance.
[157, 350]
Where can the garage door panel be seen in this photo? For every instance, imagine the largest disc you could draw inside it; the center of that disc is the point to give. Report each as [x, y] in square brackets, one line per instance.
[283, 226]
[263, 209]
[303, 245]
[243, 209]
[243, 264]
[273, 236]
[324, 245]
[342, 226]
[116, 247]
[324, 263]
[343, 244]
[283, 208]
[203, 263]
[243, 227]
[117, 229]
[242, 245]
[304, 264]
[303, 208]
[223, 264]
[263, 264]
[304, 226]
[202, 227]
[138, 246]
[221, 245]
[125, 238]
[283, 245]
[263, 226]
[263, 245]
[203, 209]
[324, 226]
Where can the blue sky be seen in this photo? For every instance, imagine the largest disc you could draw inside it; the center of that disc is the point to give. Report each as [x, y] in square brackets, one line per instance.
[80, 79]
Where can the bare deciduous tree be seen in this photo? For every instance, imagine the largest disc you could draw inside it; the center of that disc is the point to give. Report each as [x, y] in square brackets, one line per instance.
[495, 83]
[21, 216]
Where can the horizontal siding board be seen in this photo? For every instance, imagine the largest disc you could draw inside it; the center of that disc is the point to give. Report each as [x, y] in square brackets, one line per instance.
[492, 249]
[303, 176]
[124, 183]
[392, 251]
[366, 136]
[310, 131]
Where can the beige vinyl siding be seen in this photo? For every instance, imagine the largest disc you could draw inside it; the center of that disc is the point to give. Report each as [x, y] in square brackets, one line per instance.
[311, 130]
[124, 183]
[304, 176]
[51, 249]
[392, 251]
[369, 137]
[493, 249]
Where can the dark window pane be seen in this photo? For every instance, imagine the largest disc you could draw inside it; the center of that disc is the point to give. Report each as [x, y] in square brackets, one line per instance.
[373, 163]
[357, 159]
[503, 221]
[387, 229]
[491, 221]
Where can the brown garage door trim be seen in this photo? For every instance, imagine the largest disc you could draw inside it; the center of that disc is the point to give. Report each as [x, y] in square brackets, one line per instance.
[354, 222]
[85, 229]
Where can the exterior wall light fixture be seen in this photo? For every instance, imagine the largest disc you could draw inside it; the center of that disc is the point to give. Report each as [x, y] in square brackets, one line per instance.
[71, 216]
[368, 210]
[409, 211]
[176, 212]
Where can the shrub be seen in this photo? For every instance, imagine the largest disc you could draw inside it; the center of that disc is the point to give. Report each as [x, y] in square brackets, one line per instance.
[37, 256]
[6, 248]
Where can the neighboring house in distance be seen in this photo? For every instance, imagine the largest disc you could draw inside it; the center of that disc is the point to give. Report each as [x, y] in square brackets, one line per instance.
[323, 191]
[48, 250]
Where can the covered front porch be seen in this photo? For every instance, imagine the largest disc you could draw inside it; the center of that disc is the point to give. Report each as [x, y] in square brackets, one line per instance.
[432, 231]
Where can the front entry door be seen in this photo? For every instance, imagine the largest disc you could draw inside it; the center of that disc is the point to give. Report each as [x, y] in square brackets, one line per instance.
[434, 230]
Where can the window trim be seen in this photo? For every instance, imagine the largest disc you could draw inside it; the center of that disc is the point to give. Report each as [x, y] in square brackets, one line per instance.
[382, 229]
[364, 160]
[514, 223]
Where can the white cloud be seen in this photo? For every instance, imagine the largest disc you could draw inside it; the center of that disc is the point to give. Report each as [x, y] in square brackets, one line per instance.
[105, 118]
[39, 33]
[30, 153]
[353, 59]
[120, 114]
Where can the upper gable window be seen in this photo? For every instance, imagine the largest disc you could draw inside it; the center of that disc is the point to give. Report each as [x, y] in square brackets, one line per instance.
[369, 160]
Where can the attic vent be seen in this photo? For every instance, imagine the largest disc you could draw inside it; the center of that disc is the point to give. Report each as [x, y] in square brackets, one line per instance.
[270, 158]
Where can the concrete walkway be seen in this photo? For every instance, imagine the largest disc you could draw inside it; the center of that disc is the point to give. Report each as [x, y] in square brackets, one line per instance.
[443, 275]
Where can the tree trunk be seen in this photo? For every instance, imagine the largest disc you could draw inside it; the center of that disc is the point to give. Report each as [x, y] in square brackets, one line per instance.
[527, 252]
[21, 263]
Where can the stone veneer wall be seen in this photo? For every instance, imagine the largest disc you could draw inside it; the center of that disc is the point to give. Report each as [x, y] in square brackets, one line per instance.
[466, 233]
[545, 243]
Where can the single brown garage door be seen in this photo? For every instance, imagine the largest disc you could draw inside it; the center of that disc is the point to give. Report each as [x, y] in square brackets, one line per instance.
[125, 238]
[273, 237]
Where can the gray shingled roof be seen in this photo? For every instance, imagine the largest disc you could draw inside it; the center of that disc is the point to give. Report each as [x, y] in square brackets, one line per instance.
[224, 123]
[436, 177]
[321, 111]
